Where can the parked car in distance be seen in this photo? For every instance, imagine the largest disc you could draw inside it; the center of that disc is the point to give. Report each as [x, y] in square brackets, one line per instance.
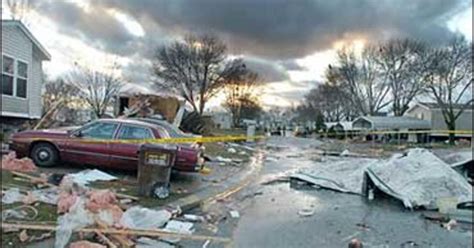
[49, 147]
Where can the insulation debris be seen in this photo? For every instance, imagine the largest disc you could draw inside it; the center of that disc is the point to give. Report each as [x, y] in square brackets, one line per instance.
[12, 163]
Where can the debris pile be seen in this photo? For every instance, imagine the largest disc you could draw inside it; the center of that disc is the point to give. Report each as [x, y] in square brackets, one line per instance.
[417, 178]
[97, 215]
[11, 163]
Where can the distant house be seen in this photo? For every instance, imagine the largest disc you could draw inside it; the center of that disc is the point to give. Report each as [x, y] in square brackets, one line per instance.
[389, 123]
[22, 74]
[431, 112]
[393, 123]
[222, 119]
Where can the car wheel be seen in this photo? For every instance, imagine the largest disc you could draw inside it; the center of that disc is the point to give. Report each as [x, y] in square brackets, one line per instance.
[44, 155]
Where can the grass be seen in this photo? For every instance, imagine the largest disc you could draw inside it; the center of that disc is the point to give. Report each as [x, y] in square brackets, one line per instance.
[46, 212]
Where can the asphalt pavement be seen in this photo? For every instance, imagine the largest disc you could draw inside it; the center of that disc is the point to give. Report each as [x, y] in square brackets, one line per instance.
[273, 217]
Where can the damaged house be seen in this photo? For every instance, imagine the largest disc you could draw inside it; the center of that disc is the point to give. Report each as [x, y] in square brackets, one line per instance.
[22, 75]
[140, 101]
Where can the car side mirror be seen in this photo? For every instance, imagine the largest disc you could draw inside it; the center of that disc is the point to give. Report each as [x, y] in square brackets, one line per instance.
[77, 134]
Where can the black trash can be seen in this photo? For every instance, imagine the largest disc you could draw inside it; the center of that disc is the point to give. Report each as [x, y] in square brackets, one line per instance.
[154, 169]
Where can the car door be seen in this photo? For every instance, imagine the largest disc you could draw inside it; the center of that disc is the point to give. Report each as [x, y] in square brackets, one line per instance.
[125, 155]
[87, 146]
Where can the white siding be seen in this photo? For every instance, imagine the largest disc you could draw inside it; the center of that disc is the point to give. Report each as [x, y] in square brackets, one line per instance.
[17, 45]
[464, 121]
[35, 87]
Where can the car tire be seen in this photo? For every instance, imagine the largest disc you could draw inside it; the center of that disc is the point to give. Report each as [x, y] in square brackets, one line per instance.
[44, 155]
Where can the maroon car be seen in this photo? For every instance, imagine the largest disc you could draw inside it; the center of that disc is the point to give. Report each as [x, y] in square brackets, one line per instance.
[48, 147]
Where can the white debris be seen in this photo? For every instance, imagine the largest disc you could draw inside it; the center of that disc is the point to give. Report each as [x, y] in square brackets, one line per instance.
[144, 242]
[12, 195]
[222, 159]
[144, 218]
[418, 178]
[86, 176]
[178, 227]
[306, 212]
[231, 150]
[234, 214]
[341, 174]
[48, 195]
[193, 217]
[77, 217]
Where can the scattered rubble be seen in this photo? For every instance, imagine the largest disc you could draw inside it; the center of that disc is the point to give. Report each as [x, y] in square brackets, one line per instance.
[234, 214]
[343, 175]
[11, 163]
[144, 218]
[86, 244]
[306, 212]
[177, 226]
[417, 178]
[86, 176]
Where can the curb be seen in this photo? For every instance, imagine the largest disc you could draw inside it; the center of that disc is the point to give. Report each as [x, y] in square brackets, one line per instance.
[212, 193]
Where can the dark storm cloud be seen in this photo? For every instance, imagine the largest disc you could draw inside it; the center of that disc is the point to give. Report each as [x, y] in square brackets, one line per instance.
[96, 26]
[287, 29]
[267, 70]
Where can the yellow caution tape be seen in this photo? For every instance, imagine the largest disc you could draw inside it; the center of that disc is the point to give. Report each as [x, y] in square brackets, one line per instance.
[244, 138]
[166, 140]
[412, 132]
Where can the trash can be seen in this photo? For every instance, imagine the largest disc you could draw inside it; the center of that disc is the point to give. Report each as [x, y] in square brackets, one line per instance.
[154, 169]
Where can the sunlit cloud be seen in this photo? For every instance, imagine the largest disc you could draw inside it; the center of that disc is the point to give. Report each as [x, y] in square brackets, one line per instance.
[132, 25]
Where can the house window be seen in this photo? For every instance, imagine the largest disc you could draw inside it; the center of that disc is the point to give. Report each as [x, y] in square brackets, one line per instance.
[14, 78]
[22, 78]
[8, 75]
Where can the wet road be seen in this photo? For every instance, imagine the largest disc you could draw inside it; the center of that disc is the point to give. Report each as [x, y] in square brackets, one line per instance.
[271, 219]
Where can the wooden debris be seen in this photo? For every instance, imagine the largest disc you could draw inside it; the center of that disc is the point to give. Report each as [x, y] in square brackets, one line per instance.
[39, 179]
[136, 232]
[23, 236]
[105, 239]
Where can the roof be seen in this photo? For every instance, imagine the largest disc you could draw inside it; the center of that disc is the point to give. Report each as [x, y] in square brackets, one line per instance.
[434, 105]
[346, 125]
[330, 124]
[133, 89]
[27, 32]
[393, 122]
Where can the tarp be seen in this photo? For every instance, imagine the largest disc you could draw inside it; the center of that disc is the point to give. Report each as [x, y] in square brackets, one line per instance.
[340, 174]
[86, 176]
[419, 178]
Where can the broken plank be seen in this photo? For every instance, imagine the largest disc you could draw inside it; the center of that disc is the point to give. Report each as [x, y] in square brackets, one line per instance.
[137, 232]
[105, 239]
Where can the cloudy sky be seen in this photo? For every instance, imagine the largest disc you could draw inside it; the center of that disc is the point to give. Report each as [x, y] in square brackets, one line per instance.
[289, 42]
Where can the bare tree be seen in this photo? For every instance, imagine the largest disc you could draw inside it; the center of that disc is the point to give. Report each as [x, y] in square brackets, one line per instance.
[330, 101]
[196, 69]
[242, 96]
[359, 77]
[57, 91]
[402, 63]
[449, 81]
[18, 9]
[98, 89]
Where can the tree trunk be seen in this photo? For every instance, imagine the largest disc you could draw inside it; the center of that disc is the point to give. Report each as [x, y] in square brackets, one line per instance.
[452, 127]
